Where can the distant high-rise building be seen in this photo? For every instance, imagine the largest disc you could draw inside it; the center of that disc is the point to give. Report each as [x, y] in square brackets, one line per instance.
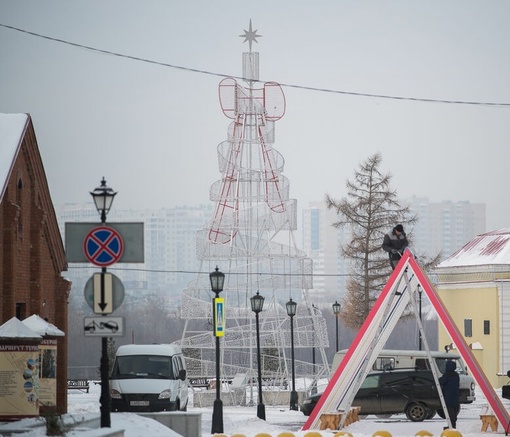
[321, 241]
[445, 226]
[442, 226]
[170, 242]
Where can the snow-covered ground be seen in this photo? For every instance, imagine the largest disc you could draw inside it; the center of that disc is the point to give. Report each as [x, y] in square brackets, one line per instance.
[244, 420]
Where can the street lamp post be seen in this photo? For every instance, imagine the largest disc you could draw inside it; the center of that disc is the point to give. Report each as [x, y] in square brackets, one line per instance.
[314, 387]
[103, 198]
[336, 311]
[257, 304]
[291, 311]
[217, 279]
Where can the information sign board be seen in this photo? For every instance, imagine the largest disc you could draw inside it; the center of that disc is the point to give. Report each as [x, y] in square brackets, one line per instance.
[219, 316]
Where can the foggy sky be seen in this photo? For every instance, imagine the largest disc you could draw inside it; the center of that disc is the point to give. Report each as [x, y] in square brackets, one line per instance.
[152, 130]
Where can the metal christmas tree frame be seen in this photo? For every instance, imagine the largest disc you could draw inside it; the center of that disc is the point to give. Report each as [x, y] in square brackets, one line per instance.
[251, 239]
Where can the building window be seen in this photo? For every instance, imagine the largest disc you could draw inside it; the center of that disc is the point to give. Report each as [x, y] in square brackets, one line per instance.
[468, 327]
[21, 310]
[486, 327]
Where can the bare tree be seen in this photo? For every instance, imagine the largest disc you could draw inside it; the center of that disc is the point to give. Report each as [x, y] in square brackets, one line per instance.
[370, 209]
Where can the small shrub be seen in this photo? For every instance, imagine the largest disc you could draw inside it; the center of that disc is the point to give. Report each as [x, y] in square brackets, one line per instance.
[55, 425]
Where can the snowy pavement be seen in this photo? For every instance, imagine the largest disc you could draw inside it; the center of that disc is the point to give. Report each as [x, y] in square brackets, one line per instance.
[243, 420]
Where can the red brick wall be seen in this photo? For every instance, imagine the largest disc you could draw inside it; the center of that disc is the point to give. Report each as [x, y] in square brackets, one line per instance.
[32, 256]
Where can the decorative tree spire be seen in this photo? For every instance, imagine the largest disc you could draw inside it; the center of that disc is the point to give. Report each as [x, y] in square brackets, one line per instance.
[250, 35]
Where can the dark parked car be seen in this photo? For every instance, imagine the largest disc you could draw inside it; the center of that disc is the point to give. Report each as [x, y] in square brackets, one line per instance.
[412, 392]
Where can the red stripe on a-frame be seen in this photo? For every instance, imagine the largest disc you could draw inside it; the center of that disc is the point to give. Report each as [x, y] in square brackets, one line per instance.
[357, 340]
[463, 348]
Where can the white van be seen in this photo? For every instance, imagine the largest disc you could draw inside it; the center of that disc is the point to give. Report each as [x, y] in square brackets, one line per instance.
[149, 377]
[389, 359]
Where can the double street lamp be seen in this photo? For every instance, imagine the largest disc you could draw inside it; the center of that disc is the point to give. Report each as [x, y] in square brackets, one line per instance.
[103, 198]
[217, 279]
[257, 304]
[291, 312]
[336, 311]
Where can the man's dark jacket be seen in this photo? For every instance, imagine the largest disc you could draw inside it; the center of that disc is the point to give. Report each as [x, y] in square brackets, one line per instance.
[449, 382]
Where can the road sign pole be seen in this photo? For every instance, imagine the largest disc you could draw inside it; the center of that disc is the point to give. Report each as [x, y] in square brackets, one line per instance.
[105, 399]
[105, 251]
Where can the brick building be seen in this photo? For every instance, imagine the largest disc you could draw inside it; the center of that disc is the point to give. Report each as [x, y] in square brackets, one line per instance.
[32, 255]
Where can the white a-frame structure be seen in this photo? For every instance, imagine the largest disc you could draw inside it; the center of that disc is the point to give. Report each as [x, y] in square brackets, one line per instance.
[402, 287]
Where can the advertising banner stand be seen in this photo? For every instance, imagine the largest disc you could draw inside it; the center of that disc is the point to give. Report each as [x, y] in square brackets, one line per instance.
[47, 361]
[19, 371]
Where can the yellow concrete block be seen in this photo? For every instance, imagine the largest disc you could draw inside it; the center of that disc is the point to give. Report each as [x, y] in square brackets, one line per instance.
[451, 433]
[286, 434]
[237, 435]
[263, 434]
[343, 434]
[382, 434]
[313, 434]
[330, 420]
[423, 433]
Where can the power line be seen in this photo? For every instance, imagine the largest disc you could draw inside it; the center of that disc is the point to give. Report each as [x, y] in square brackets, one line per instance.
[230, 273]
[303, 87]
[193, 272]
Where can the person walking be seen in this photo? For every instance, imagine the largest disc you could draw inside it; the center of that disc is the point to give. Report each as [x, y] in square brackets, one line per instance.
[449, 382]
[395, 243]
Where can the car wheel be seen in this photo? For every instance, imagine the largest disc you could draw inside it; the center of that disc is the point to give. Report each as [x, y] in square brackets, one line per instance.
[417, 412]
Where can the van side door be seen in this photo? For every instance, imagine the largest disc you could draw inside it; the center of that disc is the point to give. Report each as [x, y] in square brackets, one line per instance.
[368, 396]
[425, 390]
[395, 388]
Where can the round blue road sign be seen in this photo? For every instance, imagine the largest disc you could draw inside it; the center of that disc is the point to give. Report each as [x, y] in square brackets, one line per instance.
[103, 246]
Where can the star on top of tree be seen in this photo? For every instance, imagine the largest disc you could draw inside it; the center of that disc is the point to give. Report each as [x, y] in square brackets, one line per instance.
[250, 35]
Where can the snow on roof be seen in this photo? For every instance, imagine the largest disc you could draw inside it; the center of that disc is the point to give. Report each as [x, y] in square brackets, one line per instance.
[14, 328]
[485, 249]
[41, 326]
[11, 129]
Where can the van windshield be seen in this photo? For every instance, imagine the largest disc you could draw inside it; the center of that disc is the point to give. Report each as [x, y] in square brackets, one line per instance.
[441, 364]
[423, 363]
[143, 366]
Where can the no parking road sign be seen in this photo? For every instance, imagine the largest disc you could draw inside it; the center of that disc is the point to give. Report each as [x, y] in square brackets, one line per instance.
[103, 246]
[132, 241]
